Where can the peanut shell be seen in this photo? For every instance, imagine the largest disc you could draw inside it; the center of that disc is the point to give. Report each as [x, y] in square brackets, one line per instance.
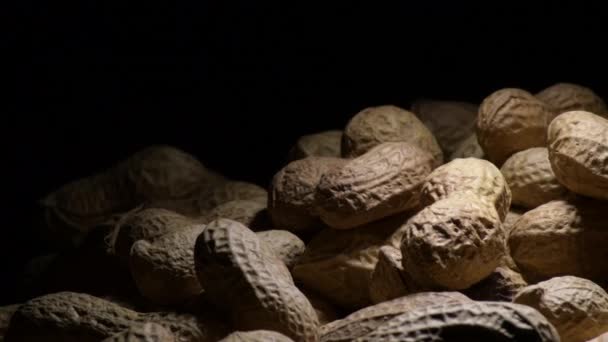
[252, 214]
[256, 336]
[501, 285]
[287, 246]
[468, 148]
[322, 144]
[389, 280]
[148, 332]
[566, 97]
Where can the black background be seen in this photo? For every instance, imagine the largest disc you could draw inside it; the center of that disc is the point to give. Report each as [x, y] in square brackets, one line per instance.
[235, 83]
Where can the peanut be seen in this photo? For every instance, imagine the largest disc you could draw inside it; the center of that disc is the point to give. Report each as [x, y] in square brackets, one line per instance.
[148, 332]
[531, 178]
[240, 273]
[291, 204]
[578, 151]
[382, 182]
[450, 122]
[256, 336]
[564, 237]
[252, 214]
[389, 280]
[338, 264]
[326, 312]
[322, 144]
[466, 321]
[477, 176]
[566, 97]
[368, 319]
[577, 307]
[286, 246]
[70, 316]
[376, 125]
[454, 243]
[511, 120]
[501, 285]
[468, 148]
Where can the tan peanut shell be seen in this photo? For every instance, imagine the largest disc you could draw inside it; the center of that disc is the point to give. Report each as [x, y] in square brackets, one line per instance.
[501, 285]
[531, 178]
[564, 237]
[578, 151]
[449, 121]
[376, 125]
[512, 216]
[468, 148]
[153, 174]
[566, 97]
[70, 316]
[252, 214]
[453, 243]
[322, 144]
[389, 280]
[382, 182]
[466, 321]
[147, 332]
[338, 264]
[146, 224]
[241, 273]
[477, 176]
[366, 320]
[291, 204]
[511, 120]
[163, 269]
[577, 307]
[256, 336]
[287, 246]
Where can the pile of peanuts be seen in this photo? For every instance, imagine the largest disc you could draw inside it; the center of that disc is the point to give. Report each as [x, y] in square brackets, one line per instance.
[449, 221]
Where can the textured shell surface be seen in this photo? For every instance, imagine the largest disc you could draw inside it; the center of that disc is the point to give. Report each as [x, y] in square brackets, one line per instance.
[389, 280]
[577, 307]
[450, 121]
[478, 176]
[242, 274]
[338, 264]
[531, 178]
[227, 191]
[566, 97]
[326, 311]
[376, 125]
[252, 214]
[287, 246]
[501, 285]
[453, 243]
[256, 336]
[468, 148]
[291, 203]
[384, 181]
[466, 321]
[511, 120]
[147, 332]
[366, 320]
[573, 232]
[578, 152]
[163, 269]
[512, 216]
[322, 144]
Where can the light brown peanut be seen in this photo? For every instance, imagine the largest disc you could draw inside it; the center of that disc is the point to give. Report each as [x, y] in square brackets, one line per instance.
[147, 332]
[566, 97]
[322, 144]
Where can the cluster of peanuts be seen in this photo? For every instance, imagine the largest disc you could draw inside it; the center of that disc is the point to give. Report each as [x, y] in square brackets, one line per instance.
[445, 222]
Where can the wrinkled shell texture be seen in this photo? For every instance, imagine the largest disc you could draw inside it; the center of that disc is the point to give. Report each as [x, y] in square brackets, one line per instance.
[256, 336]
[450, 122]
[502, 285]
[291, 204]
[577, 307]
[338, 264]
[511, 120]
[389, 280]
[376, 125]
[578, 151]
[566, 97]
[468, 148]
[148, 332]
[472, 321]
[322, 144]
[163, 270]
[286, 246]
[512, 216]
[572, 232]
[146, 224]
[250, 213]
[454, 243]
[477, 176]
[366, 320]
[531, 178]
[384, 181]
[242, 274]
[69, 316]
